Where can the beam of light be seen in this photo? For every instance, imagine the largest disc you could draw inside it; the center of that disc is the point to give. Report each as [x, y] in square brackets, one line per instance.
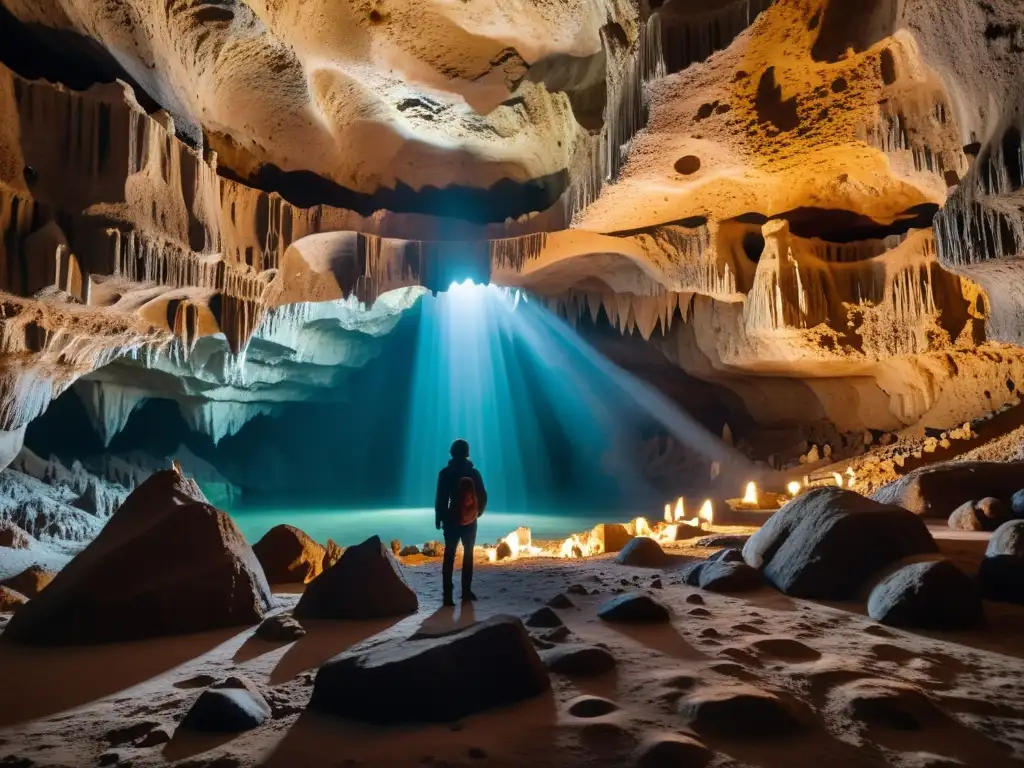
[511, 378]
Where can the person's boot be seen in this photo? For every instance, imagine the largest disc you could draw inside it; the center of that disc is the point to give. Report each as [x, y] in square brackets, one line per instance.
[468, 596]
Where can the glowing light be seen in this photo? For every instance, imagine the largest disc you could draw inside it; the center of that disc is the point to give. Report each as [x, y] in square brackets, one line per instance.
[707, 512]
[793, 487]
[750, 494]
[668, 514]
[641, 527]
[680, 512]
[838, 478]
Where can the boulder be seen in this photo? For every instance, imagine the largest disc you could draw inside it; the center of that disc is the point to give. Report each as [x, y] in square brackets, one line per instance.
[738, 711]
[289, 556]
[233, 706]
[1017, 505]
[1001, 575]
[561, 600]
[930, 594]
[829, 542]
[280, 628]
[11, 600]
[992, 512]
[690, 572]
[544, 618]
[643, 552]
[729, 576]
[728, 555]
[673, 750]
[366, 583]
[503, 551]
[935, 491]
[166, 563]
[579, 660]
[13, 536]
[966, 518]
[332, 554]
[31, 581]
[556, 635]
[634, 608]
[612, 537]
[489, 664]
[409, 551]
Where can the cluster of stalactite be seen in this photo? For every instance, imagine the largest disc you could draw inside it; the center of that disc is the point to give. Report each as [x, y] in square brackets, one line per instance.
[897, 134]
[627, 312]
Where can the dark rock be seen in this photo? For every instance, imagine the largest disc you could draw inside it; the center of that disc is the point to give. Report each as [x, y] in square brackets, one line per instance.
[11, 600]
[656, 584]
[561, 601]
[827, 543]
[543, 617]
[396, 547]
[699, 612]
[965, 518]
[166, 563]
[722, 540]
[332, 554]
[31, 581]
[642, 552]
[160, 735]
[992, 512]
[366, 583]
[577, 589]
[1017, 505]
[281, 628]
[229, 708]
[490, 664]
[591, 706]
[689, 573]
[729, 555]
[634, 607]
[673, 751]
[695, 599]
[503, 551]
[579, 660]
[557, 635]
[13, 536]
[935, 491]
[1002, 570]
[738, 711]
[931, 594]
[409, 551]
[289, 556]
[729, 576]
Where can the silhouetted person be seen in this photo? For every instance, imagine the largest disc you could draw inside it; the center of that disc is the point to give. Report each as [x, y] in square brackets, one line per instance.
[461, 499]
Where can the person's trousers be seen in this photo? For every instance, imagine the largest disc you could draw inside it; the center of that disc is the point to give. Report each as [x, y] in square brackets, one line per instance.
[452, 536]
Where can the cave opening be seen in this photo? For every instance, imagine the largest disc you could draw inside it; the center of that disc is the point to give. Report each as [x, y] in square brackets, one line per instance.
[346, 439]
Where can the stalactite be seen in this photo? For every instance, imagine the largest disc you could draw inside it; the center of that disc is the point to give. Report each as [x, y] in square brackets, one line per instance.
[892, 135]
[513, 253]
[692, 38]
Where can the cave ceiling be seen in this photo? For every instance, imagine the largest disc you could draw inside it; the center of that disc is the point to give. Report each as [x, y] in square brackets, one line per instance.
[821, 196]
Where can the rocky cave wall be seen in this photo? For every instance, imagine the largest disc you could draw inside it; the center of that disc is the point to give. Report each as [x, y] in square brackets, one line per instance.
[751, 188]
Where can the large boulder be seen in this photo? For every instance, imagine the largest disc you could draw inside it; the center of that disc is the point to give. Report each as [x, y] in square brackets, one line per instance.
[643, 552]
[1001, 575]
[31, 582]
[289, 556]
[13, 536]
[489, 664]
[935, 491]
[366, 583]
[828, 543]
[728, 576]
[930, 594]
[166, 563]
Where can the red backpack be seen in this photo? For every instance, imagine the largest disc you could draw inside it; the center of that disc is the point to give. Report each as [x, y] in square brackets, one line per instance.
[466, 505]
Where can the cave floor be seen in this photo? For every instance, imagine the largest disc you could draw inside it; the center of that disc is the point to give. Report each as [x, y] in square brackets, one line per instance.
[93, 706]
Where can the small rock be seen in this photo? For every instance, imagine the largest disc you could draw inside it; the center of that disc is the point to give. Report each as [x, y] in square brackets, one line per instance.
[656, 584]
[577, 589]
[159, 735]
[965, 518]
[31, 581]
[729, 576]
[477, 754]
[634, 607]
[396, 547]
[728, 555]
[699, 612]
[280, 628]
[591, 706]
[579, 660]
[673, 751]
[433, 549]
[738, 711]
[557, 635]
[722, 540]
[543, 617]
[993, 512]
[695, 599]
[11, 600]
[642, 552]
[227, 709]
[561, 601]
[690, 572]
[409, 551]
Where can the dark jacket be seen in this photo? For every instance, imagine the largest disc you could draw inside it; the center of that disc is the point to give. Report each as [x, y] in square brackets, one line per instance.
[447, 487]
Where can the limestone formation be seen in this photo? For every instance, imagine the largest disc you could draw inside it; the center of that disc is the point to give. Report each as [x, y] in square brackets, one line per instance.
[133, 581]
[828, 542]
[490, 664]
[289, 556]
[365, 583]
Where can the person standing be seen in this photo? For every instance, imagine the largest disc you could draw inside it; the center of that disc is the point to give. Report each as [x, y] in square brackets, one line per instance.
[461, 499]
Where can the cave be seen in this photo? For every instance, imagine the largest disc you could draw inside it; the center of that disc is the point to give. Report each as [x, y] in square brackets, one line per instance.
[642, 377]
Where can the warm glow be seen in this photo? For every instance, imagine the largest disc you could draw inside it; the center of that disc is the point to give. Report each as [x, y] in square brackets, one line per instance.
[668, 514]
[641, 527]
[680, 512]
[513, 543]
[838, 479]
[706, 512]
[750, 495]
[793, 488]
